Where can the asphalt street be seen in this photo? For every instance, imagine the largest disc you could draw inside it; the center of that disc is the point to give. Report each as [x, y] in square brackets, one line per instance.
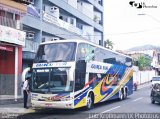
[137, 103]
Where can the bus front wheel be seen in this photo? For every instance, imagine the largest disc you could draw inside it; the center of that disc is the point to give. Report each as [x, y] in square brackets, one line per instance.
[90, 101]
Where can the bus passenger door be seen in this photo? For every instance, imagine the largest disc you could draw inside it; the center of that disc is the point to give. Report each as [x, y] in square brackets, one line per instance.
[80, 74]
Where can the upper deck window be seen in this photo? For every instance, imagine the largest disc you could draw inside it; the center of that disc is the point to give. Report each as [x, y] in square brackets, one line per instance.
[56, 52]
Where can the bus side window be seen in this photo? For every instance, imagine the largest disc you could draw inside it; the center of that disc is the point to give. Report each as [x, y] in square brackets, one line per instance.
[86, 52]
[94, 79]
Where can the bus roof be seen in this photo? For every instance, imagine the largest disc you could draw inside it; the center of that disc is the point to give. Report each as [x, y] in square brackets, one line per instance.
[84, 41]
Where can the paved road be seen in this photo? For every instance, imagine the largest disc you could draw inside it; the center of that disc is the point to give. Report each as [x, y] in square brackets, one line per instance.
[139, 102]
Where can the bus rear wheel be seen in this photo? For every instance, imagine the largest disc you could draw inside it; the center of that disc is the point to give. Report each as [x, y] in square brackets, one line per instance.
[126, 93]
[90, 101]
[121, 95]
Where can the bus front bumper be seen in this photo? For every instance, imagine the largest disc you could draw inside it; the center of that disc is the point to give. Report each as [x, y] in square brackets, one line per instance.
[55, 104]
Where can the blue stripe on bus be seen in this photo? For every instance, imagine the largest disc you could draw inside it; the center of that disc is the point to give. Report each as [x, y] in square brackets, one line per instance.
[81, 92]
[77, 100]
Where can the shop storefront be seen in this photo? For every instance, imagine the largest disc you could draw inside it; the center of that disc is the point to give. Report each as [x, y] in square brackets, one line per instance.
[11, 43]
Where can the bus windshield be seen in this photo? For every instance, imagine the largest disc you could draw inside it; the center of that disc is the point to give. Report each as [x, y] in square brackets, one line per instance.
[51, 80]
[56, 52]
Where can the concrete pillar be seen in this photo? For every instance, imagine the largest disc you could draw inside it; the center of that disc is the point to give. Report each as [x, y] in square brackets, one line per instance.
[16, 74]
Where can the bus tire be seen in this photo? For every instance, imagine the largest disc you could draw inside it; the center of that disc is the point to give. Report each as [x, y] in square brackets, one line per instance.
[121, 95]
[90, 101]
[126, 93]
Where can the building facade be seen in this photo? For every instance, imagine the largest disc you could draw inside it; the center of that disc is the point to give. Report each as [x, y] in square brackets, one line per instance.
[12, 39]
[150, 52]
[156, 61]
[61, 19]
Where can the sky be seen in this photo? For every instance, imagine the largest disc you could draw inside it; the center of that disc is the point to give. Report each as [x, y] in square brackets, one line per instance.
[126, 28]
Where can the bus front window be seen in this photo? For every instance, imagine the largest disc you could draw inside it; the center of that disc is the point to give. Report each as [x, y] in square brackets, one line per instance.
[59, 80]
[56, 52]
[54, 81]
[40, 80]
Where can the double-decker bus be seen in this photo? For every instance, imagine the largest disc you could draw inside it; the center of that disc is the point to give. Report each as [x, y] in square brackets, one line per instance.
[69, 74]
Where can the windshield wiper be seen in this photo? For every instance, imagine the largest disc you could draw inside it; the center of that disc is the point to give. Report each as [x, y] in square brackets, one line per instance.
[41, 61]
[59, 61]
[56, 89]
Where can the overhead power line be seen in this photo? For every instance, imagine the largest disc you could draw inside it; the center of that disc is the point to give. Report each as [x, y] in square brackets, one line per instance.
[134, 32]
[123, 33]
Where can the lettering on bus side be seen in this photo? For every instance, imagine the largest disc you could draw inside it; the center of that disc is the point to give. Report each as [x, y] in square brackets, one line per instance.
[105, 68]
[94, 66]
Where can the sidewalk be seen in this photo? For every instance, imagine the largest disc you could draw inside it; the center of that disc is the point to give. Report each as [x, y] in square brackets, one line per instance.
[10, 99]
[9, 105]
[15, 108]
[144, 85]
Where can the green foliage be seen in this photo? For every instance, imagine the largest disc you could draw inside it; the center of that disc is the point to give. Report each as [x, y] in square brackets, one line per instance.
[108, 44]
[144, 62]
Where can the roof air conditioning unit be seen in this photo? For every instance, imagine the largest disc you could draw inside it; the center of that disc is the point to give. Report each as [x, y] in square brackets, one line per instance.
[54, 38]
[54, 9]
[30, 35]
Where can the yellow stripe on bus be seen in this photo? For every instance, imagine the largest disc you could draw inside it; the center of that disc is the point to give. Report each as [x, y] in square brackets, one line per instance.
[125, 79]
[97, 93]
[81, 103]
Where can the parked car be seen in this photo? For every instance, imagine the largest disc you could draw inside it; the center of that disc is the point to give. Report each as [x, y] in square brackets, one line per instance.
[155, 79]
[155, 93]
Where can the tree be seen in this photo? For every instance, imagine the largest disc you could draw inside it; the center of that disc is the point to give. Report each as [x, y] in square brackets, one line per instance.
[143, 62]
[109, 44]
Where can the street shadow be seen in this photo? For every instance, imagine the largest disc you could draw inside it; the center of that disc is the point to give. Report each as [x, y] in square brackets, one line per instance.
[156, 104]
[109, 102]
[40, 113]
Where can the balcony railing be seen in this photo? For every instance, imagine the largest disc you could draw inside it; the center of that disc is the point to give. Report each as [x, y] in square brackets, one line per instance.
[4, 21]
[58, 22]
[50, 18]
[31, 46]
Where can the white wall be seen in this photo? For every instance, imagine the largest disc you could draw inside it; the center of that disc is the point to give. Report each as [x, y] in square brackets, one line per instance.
[143, 76]
[88, 32]
[97, 37]
[99, 17]
[73, 3]
[74, 20]
[86, 9]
